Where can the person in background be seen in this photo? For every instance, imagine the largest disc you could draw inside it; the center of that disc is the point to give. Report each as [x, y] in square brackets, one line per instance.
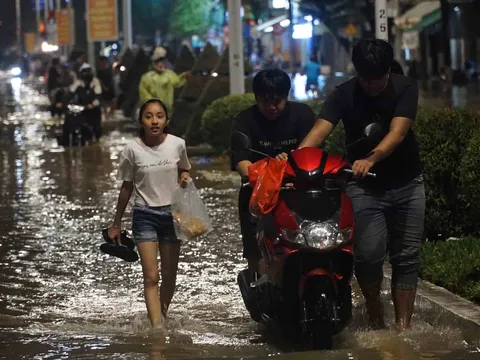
[151, 167]
[105, 75]
[270, 63]
[312, 70]
[260, 49]
[78, 57]
[117, 85]
[160, 82]
[87, 91]
[54, 86]
[413, 70]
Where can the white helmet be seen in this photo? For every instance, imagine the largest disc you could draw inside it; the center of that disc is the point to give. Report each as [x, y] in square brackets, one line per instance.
[159, 54]
[85, 66]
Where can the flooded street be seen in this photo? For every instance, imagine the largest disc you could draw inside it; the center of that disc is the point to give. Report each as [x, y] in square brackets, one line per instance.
[61, 298]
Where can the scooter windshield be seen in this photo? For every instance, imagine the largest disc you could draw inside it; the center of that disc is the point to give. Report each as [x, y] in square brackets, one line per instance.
[313, 204]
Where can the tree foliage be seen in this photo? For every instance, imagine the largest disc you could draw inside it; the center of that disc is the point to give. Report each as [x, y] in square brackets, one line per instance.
[188, 17]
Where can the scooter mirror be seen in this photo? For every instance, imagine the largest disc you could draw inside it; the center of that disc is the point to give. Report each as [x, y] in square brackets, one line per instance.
[241, 140]
[374, 132]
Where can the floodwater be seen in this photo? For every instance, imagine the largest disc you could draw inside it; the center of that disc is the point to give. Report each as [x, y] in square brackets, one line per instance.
[61, 298]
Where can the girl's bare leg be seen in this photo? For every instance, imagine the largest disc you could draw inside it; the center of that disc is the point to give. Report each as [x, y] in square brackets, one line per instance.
[148, 257]
[169, 255]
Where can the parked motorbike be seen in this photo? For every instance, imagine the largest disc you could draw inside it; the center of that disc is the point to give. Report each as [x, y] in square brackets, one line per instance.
[307, 247]
[76, 130]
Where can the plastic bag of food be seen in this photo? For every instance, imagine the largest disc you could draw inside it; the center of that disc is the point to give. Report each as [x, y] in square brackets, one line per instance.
[190, 216]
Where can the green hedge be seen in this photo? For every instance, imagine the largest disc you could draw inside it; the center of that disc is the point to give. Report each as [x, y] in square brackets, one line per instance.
[454, 265]
[218, 117]
[443, 135]
[470, 186]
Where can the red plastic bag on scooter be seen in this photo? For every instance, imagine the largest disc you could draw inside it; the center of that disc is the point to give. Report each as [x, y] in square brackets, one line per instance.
[267, 186]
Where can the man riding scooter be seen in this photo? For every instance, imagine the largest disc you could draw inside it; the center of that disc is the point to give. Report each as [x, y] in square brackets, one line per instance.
[86, 91]
[273, 125]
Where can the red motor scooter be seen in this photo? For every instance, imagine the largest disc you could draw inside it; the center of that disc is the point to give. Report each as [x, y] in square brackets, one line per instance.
[307, 247]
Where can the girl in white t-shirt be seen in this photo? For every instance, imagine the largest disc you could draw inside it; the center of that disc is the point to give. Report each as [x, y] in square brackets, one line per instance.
[151, 167]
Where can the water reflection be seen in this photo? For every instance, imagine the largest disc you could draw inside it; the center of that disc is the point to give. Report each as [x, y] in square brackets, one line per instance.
[62, 298]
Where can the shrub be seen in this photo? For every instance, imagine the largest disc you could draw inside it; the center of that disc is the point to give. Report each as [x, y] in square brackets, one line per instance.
[315, 105]
[194, 87]
[185, 61]
[443, 135]
[218, 117]
[181, 118]
[223, 67]
[454, 265]
[469, 172]
[335, 143]
[207, 60]
[218, 87]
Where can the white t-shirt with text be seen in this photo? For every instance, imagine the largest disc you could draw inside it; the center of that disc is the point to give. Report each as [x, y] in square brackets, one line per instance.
[153, 170]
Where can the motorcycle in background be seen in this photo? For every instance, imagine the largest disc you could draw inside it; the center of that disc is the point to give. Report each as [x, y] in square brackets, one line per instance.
[76, 131]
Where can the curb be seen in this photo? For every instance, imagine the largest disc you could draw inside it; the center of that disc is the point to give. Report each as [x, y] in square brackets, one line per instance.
[441, 308]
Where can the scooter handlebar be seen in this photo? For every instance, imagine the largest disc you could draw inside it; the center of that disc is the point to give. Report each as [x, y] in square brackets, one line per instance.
[347, 171]
[350, 171]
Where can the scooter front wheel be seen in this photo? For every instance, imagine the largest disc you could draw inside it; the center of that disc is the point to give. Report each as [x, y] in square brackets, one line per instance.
[319, 313]
[251, 303]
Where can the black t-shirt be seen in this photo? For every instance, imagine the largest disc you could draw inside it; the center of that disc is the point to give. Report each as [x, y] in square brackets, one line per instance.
[349, 103]
[271, 136]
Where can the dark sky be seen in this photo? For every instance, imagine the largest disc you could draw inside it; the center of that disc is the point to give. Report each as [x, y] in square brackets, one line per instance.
[8, 20]
[7, 27]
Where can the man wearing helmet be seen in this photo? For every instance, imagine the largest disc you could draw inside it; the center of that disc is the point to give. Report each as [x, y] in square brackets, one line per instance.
[86, 90]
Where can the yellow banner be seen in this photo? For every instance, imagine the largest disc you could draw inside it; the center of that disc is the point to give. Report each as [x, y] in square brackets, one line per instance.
[63, 27]
[102, 20]
[30, 41]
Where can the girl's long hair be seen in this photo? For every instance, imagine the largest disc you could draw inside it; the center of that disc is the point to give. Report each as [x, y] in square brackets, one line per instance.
[141, 132]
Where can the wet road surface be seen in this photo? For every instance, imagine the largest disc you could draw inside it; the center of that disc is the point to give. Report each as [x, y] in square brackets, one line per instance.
[61, 298]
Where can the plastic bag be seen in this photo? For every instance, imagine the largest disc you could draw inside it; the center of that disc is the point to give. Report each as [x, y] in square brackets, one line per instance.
[267, 186]
[190, 216]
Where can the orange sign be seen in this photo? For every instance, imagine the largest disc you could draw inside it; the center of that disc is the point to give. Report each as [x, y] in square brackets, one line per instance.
[63, 27]
[102, 20]
[30, 41]
[351, 30]
[41, 27]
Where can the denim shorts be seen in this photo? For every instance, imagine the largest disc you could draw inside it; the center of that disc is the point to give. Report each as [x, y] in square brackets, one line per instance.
[153, 224]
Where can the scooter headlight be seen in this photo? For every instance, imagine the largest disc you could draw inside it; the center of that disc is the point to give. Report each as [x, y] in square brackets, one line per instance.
[75, 109]
[325, 235]
[16, 71]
